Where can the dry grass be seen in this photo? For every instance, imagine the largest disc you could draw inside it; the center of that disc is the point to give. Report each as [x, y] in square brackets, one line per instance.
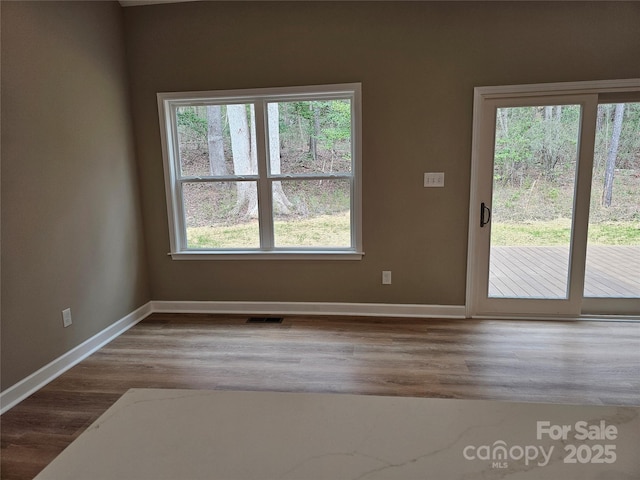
[318, 231]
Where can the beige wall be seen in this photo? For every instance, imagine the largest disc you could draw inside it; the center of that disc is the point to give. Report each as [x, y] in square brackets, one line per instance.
[71, 226]
[71, 212]
[418, 63]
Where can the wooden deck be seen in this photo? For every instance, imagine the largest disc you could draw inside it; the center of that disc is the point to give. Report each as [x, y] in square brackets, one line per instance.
[541, 272]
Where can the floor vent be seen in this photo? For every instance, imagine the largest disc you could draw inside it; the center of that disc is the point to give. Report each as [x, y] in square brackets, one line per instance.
[264, 320]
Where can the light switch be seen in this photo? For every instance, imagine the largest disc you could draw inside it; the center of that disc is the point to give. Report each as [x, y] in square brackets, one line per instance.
[434, 179]
[66, 317]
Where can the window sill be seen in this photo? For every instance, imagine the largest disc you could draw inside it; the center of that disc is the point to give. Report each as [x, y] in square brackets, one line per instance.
[257, 255]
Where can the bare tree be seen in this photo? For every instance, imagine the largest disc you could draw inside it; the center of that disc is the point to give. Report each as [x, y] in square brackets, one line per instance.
[315, 132]
[281, 203]
[245, 158]
[503, 118]
[548, 112]
[217, 164]
[244, 161]
[607, 192]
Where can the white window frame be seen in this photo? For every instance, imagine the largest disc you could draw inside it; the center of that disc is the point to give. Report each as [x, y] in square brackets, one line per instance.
[168, 102]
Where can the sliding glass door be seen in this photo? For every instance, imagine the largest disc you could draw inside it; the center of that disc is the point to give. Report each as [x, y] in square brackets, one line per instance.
[555, 216]
[535, 159]
[612, 274]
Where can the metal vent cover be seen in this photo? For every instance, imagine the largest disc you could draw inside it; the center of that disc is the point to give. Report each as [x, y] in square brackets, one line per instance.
[265, 320]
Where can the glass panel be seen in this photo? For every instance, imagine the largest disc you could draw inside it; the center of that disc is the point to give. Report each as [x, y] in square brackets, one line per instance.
[217, 140]
[312, 213]
[221, 214]
[613, 247]
[310, 137]
[533, 189]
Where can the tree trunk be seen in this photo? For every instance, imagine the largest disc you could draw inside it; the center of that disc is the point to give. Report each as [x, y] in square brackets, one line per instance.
[610, 168]
[315, 133]
[252, 207]
[503, 119]
[217, 166]
[281, 203]
[243, 161]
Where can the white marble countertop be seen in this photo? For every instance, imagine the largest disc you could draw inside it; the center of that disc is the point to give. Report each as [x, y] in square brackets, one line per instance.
[221, 435]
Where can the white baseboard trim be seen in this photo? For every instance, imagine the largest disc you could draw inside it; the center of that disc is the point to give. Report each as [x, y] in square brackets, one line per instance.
[21, 390]
[312, 308]
[560, 318]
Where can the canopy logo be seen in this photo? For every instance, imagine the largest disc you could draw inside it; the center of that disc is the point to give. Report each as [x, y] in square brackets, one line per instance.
[500, 453]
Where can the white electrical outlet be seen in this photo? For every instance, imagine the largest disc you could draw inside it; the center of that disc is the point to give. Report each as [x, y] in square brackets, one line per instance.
[66, 317]
[434, 179]
[386, 277]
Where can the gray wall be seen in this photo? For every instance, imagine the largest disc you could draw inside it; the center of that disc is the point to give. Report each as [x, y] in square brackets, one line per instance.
[418, 63]
[71, 226]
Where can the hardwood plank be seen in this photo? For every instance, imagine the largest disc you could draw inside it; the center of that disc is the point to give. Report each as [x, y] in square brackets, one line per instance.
[564, 362]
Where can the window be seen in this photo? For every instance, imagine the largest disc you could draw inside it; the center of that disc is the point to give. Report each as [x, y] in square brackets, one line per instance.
[268, 173]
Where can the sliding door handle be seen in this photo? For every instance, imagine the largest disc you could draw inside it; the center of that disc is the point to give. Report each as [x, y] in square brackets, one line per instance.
[483, 209]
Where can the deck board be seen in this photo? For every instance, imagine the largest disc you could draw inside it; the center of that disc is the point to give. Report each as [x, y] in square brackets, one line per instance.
[541, 272]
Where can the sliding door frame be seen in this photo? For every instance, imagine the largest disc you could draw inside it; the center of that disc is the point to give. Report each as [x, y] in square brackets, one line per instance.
[486, 100]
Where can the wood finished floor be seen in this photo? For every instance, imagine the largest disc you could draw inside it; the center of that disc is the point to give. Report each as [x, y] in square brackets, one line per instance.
[561, 362]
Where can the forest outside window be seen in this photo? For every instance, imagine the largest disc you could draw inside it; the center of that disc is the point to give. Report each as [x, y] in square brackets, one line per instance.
[267, 173]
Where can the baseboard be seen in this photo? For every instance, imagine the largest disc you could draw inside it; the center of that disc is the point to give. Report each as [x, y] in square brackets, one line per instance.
[21, 390]
[312, 308]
